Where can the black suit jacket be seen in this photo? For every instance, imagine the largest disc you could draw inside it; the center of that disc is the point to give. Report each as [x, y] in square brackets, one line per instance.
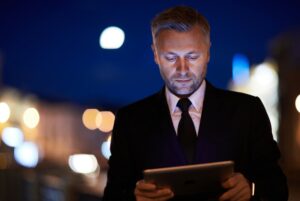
[233, 126]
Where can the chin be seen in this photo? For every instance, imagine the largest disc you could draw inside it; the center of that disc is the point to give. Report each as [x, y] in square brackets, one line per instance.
[184, 93]
[181, 91]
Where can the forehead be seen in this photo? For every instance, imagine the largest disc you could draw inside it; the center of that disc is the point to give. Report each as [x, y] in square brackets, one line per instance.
[171, 39]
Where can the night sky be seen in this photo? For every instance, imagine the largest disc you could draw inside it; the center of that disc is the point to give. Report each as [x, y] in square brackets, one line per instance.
[51, 48]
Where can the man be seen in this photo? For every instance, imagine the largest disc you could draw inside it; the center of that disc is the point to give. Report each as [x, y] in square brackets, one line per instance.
[226, 125]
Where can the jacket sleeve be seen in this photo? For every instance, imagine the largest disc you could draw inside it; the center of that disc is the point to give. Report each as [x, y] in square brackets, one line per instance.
[270, 181]
[120, 177]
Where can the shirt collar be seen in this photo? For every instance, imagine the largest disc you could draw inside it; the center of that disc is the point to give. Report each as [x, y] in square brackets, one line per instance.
[196, 98]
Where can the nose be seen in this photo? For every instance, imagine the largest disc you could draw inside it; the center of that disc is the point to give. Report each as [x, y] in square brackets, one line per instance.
[182, 65]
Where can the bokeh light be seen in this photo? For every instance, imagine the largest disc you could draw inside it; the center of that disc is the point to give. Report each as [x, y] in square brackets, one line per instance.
[105, 148]
[12, 136]
[107, 123]
[83, 163]
[265, 76]
[89, 118]
[27, 154]
[263, 82]
[99, 119]
[112, 38]
[31, 117]
[240, 68]
[4, 112]
[297, 103]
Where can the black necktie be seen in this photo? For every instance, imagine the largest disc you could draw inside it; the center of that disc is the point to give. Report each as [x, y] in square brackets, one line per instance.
[186, 130]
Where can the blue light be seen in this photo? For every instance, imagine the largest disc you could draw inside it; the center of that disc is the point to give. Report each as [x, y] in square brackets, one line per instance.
[12, 136]
[27, 154]
[105, 149]
[240, 68]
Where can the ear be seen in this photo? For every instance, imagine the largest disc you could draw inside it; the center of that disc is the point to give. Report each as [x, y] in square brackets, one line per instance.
[154, 53]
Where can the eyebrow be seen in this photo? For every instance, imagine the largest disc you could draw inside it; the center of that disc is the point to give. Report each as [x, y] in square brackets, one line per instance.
[173, 53]
[194, 52]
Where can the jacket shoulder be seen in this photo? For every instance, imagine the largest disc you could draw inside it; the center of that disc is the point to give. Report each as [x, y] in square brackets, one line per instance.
[234, 97]
[149, 103]
[226, 100]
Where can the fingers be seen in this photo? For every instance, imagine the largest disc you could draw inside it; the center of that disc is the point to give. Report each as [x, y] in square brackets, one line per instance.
[142, 185]
[149, 192]
[238, 188]
[236, 194]
[165, 192]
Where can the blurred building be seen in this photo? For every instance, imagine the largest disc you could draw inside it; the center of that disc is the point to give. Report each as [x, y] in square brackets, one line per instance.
[65, 151]
[285, 49]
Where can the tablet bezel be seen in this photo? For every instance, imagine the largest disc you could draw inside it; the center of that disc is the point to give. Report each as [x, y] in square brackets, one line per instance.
[192, 179]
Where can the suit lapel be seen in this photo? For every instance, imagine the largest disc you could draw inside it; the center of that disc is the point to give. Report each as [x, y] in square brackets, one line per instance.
[206, 150]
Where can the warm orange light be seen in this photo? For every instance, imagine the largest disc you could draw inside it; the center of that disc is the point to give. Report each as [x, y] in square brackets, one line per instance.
[99, 119]
[107, 123]
[89, 118]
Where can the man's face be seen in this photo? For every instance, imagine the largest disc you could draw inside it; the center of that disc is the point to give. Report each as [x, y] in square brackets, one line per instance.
[182, 58]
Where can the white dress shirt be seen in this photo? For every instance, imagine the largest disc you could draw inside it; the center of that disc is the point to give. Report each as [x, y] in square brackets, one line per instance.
[195, 109]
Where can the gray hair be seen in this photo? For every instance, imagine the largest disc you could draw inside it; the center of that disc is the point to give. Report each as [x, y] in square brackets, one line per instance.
[179, 18]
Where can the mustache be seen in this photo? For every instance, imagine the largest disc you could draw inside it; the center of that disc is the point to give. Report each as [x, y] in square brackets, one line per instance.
[182, 76]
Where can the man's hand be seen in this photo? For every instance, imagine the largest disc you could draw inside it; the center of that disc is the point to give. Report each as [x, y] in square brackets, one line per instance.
[149, 192]
[238, 188]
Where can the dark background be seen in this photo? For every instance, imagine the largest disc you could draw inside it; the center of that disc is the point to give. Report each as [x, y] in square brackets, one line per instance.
[51, 48]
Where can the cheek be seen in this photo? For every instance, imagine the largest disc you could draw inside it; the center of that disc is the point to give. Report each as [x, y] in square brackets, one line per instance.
[199, 70]
[168, 72]
[165, 71]
[167, 68]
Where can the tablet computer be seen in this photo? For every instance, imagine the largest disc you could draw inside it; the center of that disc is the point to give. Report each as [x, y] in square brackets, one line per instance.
[192, 179]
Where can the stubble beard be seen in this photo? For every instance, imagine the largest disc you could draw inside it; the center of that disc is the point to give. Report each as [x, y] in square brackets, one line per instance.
[184, 89]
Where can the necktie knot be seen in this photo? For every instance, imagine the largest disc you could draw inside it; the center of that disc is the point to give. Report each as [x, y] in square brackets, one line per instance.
[184, 104]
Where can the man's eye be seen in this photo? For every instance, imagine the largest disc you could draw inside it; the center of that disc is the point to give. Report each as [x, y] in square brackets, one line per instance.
[171, 58]
[192, 57]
